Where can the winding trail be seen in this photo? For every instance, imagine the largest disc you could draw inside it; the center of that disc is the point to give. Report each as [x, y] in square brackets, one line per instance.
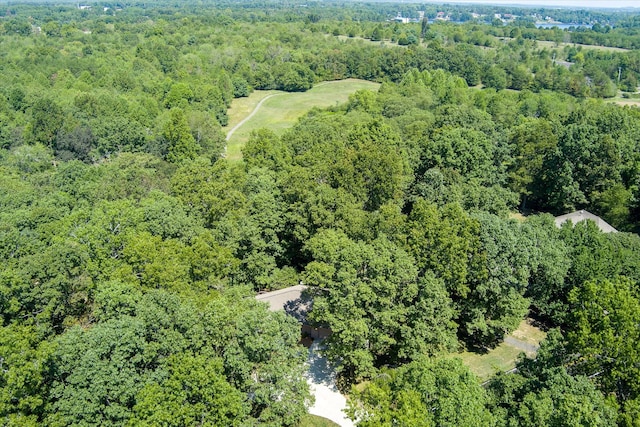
[257, 107]
[243, 121]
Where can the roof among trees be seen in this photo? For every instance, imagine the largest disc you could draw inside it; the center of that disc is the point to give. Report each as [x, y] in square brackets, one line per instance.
[292, 300]
[582, 215]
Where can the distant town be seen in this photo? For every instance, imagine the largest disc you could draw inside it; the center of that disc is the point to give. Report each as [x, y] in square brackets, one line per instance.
[506, 18]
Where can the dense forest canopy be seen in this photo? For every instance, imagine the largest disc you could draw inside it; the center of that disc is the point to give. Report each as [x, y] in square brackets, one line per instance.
[132, 248]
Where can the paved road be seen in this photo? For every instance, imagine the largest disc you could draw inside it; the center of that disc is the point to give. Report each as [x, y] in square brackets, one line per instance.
[321, 378]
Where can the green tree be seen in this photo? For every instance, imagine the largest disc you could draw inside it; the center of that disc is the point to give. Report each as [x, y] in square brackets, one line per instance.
[496, 303]
[24, 377]
[426, 392]
[179, 96]
[377, 308]
[377, 34]
[207, 133]
[178, 137]
[46, 120]
[191, 390]
[495, 77]
[531, 142]
[444, 241]
[293, 77]
[371, 166]
[604, 332]
[542, 393]
[467, 152]
[265, 149]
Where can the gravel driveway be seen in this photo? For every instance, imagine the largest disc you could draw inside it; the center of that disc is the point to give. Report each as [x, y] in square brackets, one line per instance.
[321, 378]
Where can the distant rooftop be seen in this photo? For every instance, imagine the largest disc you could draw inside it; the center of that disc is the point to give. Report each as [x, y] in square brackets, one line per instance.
[582, 215]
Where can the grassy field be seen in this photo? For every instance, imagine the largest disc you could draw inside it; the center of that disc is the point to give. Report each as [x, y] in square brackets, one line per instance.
[503, 357]
[316, 421]
[552, 45]
[282, 109]
[381, 43]
[242, 107]
[628, 102]
[624, 101]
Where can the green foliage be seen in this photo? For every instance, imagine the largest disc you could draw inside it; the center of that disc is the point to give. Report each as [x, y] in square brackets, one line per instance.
[264, 149]
[179, 96]
[177, 135]
[192, 390]
[24, 378]
[116, 371]
[604, 332]
[425, 392]
[240, 87]
[377, 307]
[47, 118]
[445, 242]
[543, 393]
[128, 246]
[293, 77]
[532, 141]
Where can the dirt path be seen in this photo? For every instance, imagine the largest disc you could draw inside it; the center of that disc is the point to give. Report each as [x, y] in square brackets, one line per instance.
[243, 121]
[321, 378]
[257, 107]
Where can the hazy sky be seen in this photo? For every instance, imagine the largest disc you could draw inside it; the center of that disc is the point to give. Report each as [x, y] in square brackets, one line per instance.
[567, 3]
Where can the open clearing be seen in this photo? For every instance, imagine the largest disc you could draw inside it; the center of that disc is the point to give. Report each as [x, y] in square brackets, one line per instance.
[316, 421]
[503, 358]
[625, 101]
[282, 109]
[381, 43]
[553, 45]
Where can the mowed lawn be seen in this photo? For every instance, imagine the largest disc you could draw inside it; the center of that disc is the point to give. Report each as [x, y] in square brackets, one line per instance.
[503, 357]
[282, 109]
[552, 45]
[561, 45]
[316, 421]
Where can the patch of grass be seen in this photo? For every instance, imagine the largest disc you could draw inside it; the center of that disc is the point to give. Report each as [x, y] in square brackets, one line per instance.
[282, 110]
[503, 357]
[242, 107]
[517, 216]
[500, 359]
[316, 421]
[528, 333]
[624, 101]
[552, 45]
[381, 43]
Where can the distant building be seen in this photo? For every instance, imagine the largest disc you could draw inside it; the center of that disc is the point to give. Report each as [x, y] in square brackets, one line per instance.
[441, 16]
[401, 19]
[582, 215]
